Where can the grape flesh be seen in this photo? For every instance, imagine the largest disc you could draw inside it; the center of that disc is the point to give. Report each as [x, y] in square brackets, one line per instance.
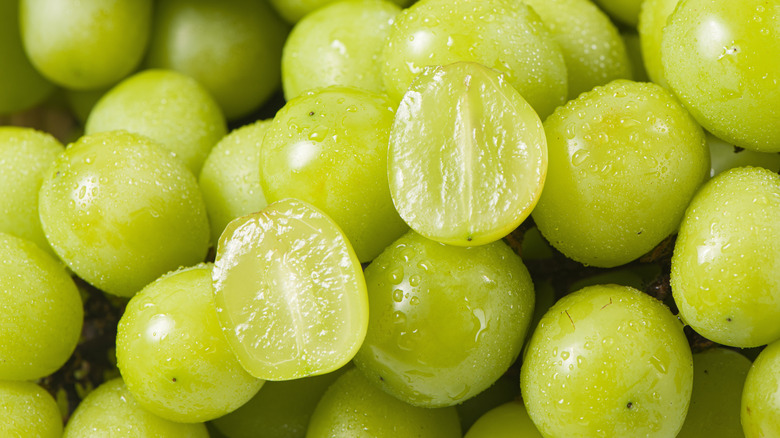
[760, 412]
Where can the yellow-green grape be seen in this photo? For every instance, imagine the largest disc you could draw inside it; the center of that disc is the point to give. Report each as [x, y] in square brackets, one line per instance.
[21, 86]
[166, 106]
[112, 411]
[230, 178]
[624, 11]
[25, 155]
[121, 211]
[339, 44]
[506, 35]
[718, 378]
[329, 148]
[294, 10]
[232, 47]
[467, 157]
[39, 303]
[607, 361]
[509, 420]
[633, 43]
[354, 408]
[504, 390]
[590, 43]
[760, 412]
[81, 102]
[445, 322]
[726, 260]
[636, 276]
[85, 44]
[290, 292]
[27, 410]
[721, 59]
[724, 156]
[624, 160]
[652, 21]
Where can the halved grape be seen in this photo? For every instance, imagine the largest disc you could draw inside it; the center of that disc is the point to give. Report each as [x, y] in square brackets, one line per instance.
[467, 157]
[290, 292]
[27, 410]
[761, 396]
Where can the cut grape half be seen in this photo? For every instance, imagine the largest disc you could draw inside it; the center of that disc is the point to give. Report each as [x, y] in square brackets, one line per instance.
[467, 157]
[290, 292]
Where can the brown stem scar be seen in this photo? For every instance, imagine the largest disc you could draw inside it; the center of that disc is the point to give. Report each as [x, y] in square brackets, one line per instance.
[605, 305]
[570, 320]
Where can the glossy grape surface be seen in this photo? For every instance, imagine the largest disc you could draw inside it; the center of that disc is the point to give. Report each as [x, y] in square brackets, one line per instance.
[761, 396]
[509, 420]
[652, 22]
[27, 410]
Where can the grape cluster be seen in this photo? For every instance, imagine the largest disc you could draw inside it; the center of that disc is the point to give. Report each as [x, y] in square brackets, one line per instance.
[374, 218]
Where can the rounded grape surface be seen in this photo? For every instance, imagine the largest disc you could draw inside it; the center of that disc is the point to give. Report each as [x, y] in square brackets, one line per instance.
[27, 410]
[760, 411]
[510, 420]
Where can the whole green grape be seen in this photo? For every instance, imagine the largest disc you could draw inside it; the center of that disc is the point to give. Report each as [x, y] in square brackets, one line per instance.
[172, 353]
[85, 44]
[445, 322]
[506, 35]
[27, 410]
[120, 211]
[81, 102]
[111, 410]
[504, 390]
[624, 11]
[166, 106]
[726, 259]
[354, 408]
[607, 361]
[25, 155]
[760, 411]
[509, 420]
[725, 156]
[339, 44]
[624, 160]
[633, 43]
[294, 10]
[40, 304]
[721, 59]
[652, 21]
[231, 47]
[329, 148]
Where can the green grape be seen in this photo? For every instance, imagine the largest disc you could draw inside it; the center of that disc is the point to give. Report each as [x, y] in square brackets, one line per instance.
[230, 178]
[166, 106]
[121, 211]
[726, 259]
[81, 102]
[721, 59]
[111, 411]
[329, 148]
[718, 377]
[633, 43]
[85, 44]
[445, 322]
[290, 292]
[279, 410]
[25, 154]
[503, 391]
[724, 156]
[509, 420]
[39, 303]
[534, 247]
[624, 159]
[652, 21]
[339, 44]
[467, 157]
[27, 410]
[760, 412]
[21, 86]
[173, 355]
[232, 47]
[624, 11]
[590, 43]
[607, 361]
[354, 408]
[294, 10]
[636, 276]
[505, 35]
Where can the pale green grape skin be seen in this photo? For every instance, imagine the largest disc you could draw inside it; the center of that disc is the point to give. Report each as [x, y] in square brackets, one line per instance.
[624, 159]
[354, 408]
[760, 411]
[633, 43]
[21, 86]
[509, 420]
[85, 44]
[607, 361]
[591, 45]
[230, 177]
[294, 10]
[504, 35]
[625, 11]
[467, 157]
[652, 21]
[726, 259]
[718, 378]
[329, 148]
[339, 44]
[25, 155]
[27, 410]
[724, 156]
[112, 411]
[417, 355]
[231, 47]
[504, 390]
[166, 106]
[38, 303]
[720, 59]
[120, 211]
